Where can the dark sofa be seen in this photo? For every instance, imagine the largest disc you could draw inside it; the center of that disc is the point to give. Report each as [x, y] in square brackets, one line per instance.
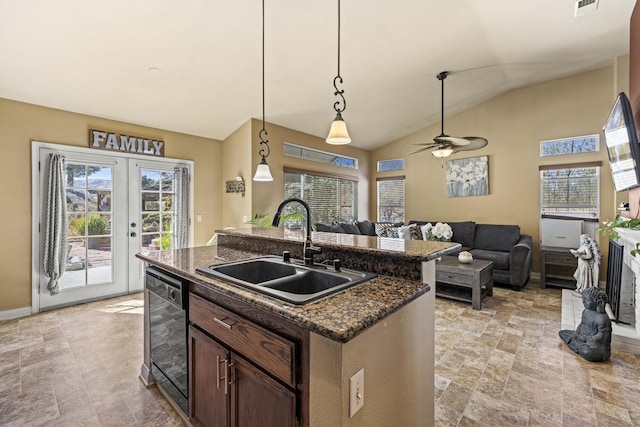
[504, 245]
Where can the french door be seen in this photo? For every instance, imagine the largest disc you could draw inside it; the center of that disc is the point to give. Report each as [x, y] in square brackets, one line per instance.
[116, 207]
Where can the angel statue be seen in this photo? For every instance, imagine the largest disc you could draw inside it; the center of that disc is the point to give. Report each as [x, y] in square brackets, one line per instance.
[588, 270]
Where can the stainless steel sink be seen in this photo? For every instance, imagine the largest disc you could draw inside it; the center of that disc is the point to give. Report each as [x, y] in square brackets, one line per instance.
[289, 281]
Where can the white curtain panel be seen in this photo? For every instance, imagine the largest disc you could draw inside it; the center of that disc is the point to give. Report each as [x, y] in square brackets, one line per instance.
[55, 234]
[181, 224]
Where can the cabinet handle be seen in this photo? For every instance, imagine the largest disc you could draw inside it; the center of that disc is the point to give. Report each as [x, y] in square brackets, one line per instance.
[226, 371]
[222, 322]
[217, 372]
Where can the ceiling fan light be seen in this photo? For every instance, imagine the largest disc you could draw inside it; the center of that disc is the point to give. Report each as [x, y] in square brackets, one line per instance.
[442, 152]
[262, 171]
[338, 134]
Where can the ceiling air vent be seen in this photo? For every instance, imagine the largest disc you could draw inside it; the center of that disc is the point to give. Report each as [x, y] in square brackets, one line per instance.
[585, 6]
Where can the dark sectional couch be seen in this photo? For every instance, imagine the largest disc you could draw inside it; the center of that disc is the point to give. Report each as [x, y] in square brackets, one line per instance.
[503, 245]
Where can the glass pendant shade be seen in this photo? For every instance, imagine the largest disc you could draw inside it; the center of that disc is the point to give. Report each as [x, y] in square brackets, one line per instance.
[338, 134]
[442, 152]
[262, 172]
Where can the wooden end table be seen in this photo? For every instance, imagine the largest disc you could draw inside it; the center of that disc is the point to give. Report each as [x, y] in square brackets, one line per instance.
[456, 280]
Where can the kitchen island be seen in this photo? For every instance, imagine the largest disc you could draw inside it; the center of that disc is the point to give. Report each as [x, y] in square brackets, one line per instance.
[384, 326]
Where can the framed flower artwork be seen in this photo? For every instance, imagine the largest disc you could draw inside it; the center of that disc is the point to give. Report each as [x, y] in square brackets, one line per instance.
[468, 177]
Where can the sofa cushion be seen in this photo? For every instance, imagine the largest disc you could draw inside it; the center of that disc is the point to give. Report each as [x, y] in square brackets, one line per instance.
[463, 232]
[496, 237]
[333, 228]
[349, 227]
[323, 227]
[499, 259]
[366, 227]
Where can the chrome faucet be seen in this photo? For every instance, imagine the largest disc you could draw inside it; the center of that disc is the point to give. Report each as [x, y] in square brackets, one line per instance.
[309, 250]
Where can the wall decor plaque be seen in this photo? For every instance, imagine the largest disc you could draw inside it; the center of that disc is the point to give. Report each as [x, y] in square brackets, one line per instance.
[110, 141]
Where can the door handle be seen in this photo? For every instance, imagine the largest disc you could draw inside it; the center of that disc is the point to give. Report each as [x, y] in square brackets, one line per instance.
[133, 234]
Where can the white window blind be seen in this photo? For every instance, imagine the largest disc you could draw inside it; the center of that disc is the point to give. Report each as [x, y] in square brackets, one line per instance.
[570, 191]
[331, 198]
[391, 199]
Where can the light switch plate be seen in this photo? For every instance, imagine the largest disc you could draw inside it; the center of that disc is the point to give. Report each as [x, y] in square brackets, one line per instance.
[356, 392]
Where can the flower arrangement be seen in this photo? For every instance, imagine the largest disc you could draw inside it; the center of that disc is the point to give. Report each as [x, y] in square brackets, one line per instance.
[441, 232]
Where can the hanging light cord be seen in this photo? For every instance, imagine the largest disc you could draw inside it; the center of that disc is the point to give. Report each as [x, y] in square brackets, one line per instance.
[263, 133]
[441, 76]
[338, 78]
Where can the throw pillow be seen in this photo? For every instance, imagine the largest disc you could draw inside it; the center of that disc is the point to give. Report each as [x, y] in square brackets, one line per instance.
[409, 232]
[392, 232]
[381, 228]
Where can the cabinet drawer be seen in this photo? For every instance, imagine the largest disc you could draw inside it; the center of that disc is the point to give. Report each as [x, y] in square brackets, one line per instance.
[273, 352]
[560, 258]
[464, 278]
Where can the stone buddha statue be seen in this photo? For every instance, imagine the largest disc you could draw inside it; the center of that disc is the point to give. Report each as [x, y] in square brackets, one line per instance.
[592, 338]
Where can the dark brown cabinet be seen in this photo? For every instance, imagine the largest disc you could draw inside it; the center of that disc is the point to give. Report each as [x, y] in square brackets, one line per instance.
[240, 373]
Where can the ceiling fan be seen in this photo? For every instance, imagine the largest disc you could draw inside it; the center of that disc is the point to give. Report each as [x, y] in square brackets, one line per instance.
[445, 145]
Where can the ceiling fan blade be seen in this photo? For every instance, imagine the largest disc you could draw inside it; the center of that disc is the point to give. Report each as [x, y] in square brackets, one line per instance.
[421, 150]
[475, 143]
[451, 140]
[428, 144]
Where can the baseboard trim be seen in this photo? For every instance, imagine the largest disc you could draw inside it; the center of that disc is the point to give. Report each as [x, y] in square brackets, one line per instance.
[15, 313]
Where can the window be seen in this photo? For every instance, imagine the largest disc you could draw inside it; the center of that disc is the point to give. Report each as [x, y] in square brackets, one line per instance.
[330, 197]
[390, 165]
[305, 153]
[391, 199]
[570, 190]
[578, 144]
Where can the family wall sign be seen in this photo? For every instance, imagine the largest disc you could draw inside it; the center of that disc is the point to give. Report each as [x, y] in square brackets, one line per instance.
[117, 142]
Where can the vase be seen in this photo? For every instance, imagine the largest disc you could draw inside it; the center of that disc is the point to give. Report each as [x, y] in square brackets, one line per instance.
[465, 257]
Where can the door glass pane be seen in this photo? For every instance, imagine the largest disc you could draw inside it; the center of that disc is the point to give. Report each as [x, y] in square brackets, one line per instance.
[89, 258]
[150, 180]
[157, 197]
[76, 268]
[167, 181]
[167, 203]
[150, 222]
[76, 200]
[99, 261]
[150, 202]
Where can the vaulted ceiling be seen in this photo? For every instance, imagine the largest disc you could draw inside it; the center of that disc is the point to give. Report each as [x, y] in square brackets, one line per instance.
[194, 66]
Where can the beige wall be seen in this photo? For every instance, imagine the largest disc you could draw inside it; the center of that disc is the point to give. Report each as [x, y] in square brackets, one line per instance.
[237, 162]
[22, 123]
[266, 196]
[514, 123]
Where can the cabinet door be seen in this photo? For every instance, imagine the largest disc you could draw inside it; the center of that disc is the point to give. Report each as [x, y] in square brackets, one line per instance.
[257, 399]
[209, 403]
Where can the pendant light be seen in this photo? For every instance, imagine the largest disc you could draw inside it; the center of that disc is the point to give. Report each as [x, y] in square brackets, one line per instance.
[338, 134]
[262, 171]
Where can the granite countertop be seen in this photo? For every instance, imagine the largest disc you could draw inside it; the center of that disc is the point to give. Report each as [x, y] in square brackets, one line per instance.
[420, 250]
[339, 317]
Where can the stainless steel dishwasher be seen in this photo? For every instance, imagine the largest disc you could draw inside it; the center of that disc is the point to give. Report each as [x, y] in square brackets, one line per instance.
[168, 298]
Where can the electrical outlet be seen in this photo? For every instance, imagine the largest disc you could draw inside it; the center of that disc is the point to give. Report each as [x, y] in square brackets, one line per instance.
[199, 218]
[245, 218]
[356, 392]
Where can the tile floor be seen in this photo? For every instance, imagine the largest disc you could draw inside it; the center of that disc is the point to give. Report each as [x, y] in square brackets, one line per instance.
[506, 366]
[501, 366]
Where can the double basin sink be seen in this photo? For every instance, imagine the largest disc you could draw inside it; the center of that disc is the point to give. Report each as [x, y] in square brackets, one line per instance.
[287, 280]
